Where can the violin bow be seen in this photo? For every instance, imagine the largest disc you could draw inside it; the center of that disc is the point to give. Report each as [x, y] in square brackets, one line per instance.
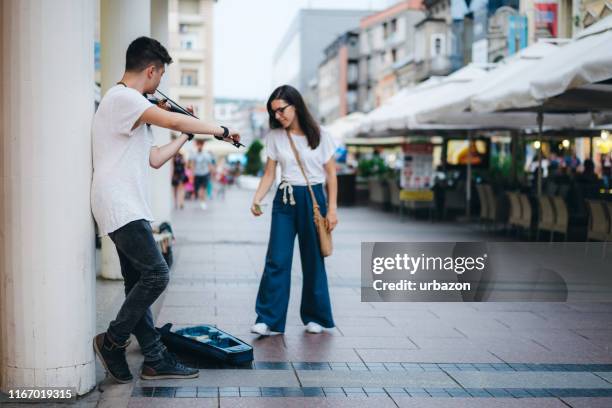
[186, 112]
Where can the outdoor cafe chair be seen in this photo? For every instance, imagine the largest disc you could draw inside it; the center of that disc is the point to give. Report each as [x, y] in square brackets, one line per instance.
[599, 223]
[561, 216]
[484, 204]
[491, 201]
[526, 211]
[514, 216]
[546, 216]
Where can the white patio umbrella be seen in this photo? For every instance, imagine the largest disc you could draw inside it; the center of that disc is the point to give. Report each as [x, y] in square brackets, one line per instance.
[342, 127]
[459, 99]
[584, 61]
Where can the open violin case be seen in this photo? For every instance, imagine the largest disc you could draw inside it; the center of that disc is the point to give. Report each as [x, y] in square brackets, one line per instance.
[207, 342]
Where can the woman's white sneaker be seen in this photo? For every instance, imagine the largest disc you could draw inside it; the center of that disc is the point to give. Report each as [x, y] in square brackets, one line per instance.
[314, 328]
[263, 330]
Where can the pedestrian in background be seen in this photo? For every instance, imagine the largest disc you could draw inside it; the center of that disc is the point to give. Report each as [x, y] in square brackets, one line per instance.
[292, 214]
[202, 164]
[179, 178]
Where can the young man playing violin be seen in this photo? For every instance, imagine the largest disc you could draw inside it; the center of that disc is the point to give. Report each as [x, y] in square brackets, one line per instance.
[123, 151]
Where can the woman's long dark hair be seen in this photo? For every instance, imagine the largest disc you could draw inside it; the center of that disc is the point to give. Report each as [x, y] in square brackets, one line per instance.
[308, 125]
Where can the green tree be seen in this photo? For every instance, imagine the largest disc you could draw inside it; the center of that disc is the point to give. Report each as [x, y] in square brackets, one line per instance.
[254, 164]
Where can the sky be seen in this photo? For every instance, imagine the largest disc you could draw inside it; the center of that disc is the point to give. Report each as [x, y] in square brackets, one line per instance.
[246, 34]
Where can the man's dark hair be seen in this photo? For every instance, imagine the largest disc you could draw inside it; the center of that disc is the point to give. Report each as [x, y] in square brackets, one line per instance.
[143, 52]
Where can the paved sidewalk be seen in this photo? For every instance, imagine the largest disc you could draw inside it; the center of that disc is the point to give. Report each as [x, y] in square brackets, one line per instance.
[380, 354]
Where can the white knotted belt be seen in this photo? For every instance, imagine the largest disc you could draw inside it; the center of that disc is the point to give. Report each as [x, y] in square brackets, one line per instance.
[287, 188]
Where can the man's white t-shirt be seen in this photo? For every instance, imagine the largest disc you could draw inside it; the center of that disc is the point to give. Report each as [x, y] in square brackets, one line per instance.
[313, 160]
[120, 187]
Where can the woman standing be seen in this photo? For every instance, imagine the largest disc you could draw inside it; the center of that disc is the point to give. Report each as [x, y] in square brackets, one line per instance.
[292, 213]
[179, 178]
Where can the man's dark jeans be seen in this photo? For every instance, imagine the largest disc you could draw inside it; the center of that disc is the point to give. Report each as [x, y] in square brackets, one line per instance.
[145, 275]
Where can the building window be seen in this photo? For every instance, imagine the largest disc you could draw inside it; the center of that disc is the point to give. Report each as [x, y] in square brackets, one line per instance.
[437, 45]
[189, 77]
[187, 44]
[394, 55]
[183, 28]
[394, 25]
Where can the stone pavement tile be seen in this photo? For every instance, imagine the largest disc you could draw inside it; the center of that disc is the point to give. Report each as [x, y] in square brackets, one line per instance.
[322, 354]
[201, 289]
[429, 343]
[576, 320]
[402, 306]
[245, 319]
[508, 346]
[544, 335]
[588, 402]
[605, 375]
[368, 323]
[479, 323]
[230, 378]
[270, 354]
[430, 331]
[602, 333]
[311, 341]
[565, 345]
[529, 334]
[363, 310]
[603, 344]
[186, 299]
[310, 402]
[519, 320]
[521, 306]
[406, 402]
[550, 357]
[173, 402]
[268, 342]
[310, 378]
[528, 380]
[591, 307]
[185, 313]
[418, 314]
[447, 355]
[356, 331]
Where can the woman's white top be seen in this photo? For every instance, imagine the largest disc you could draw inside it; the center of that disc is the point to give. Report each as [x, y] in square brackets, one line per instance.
[313, 160]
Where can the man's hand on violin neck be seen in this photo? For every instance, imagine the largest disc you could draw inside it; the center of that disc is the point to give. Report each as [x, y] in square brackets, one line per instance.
[164, 104]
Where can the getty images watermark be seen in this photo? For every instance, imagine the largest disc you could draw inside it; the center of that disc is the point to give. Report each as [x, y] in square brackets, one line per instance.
[485, 271]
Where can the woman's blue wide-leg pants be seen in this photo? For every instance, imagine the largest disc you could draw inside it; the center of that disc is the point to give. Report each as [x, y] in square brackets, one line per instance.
[273, 296]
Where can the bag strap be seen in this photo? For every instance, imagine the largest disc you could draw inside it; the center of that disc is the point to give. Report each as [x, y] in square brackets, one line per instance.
[299, 162]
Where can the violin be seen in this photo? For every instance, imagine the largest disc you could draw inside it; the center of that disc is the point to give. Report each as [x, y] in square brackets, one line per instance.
[175, 107]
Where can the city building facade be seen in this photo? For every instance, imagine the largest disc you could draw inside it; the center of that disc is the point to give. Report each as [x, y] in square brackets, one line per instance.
[387, 38]
[338, 78]
[301, 50]
[190, 79]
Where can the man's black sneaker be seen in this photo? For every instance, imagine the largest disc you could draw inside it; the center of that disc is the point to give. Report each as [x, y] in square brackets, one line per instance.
[112, 357]
[167, 367]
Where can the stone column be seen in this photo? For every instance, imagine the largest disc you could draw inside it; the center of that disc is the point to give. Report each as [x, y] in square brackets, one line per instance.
[120, 23]
[47, 273]
[161, 189]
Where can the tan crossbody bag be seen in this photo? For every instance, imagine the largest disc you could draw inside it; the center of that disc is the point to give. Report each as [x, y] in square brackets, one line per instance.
[325, 238]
